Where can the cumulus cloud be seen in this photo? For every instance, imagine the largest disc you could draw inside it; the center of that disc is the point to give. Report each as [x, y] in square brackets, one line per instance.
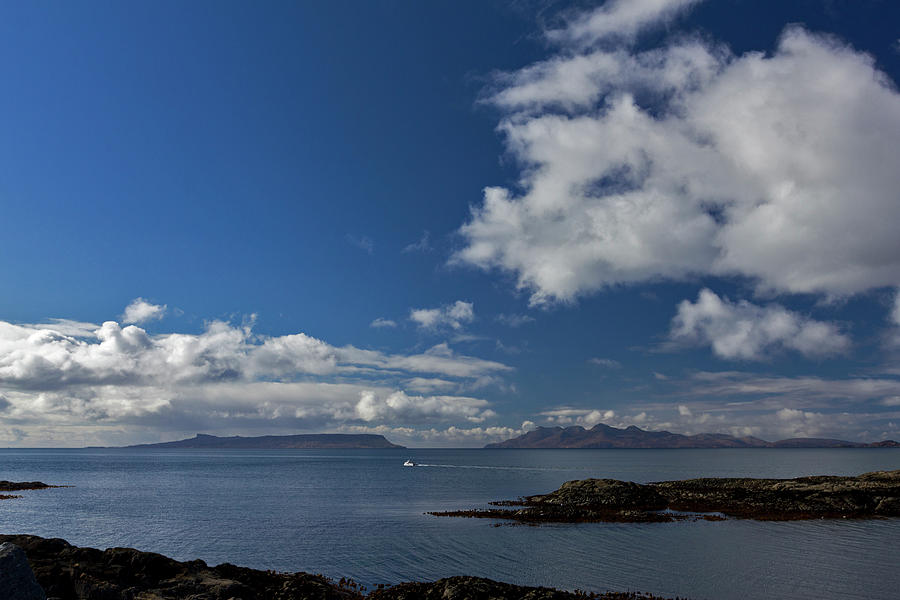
[226, 376]
[586, 417]
[140, 311]
[454, 316]
[686, 159]
[399, 406]
[452, 436]
[742, 330]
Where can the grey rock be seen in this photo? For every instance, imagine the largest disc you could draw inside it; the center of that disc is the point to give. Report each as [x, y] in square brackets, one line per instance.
[17, 580]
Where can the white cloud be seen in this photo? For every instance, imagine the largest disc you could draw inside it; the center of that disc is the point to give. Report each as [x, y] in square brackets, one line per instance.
[401, 407]
[423, 245]
[799, 391]
[686, 159]
[514, 320]
[364, 243]
[619, 19]
[766, 420]
[895, 311]
[224, 378]
[585, 417]
[381, 323]
[451, 436]
[454, 316]
[606, 362]
[741, 330]
[141, 311]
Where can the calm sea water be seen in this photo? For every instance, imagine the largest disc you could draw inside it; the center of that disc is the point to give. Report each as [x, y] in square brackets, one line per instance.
[359, 513]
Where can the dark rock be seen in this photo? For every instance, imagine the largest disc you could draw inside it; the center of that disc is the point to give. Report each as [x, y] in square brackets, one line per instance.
[476, 588]
[869, 495]
[15, 486]
[17, 581]
[70, 573]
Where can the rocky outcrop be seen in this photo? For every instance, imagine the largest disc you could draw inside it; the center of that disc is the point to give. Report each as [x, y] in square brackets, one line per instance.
[869, 495]
[17, 581]
[67, 572]
[16, 486]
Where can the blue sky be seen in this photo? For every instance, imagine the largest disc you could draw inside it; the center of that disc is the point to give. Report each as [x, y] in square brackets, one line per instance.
[448, 222]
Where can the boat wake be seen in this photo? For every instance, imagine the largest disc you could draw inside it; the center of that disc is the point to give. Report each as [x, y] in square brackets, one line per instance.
[493, 467]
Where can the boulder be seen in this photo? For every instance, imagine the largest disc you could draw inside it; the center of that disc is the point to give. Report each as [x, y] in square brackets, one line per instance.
[17, 581]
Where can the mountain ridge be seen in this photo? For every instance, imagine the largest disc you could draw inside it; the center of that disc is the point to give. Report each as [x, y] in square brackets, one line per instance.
[605, 436]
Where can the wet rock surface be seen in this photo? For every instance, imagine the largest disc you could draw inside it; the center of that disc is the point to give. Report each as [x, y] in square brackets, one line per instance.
[869, 495]
[67, 572]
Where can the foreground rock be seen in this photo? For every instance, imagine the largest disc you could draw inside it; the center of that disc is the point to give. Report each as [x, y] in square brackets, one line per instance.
[67, 572]
[869, 495]
[17, 581]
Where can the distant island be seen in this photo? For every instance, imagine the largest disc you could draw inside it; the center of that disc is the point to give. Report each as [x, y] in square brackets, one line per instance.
[604, 436]
[279, 442]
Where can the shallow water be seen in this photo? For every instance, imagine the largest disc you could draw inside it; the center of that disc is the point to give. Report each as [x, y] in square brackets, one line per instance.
[359, 513]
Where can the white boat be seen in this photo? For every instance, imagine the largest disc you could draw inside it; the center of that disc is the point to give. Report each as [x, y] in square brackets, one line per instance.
[409, 463]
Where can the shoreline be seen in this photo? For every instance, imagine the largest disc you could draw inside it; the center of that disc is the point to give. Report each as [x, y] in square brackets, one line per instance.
[67, 572]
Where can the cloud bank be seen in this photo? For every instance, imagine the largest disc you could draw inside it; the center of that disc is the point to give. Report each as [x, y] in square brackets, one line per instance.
[225, 377]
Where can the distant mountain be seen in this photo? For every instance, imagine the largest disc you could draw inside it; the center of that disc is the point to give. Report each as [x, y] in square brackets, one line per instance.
[272, 442]
[604, 436]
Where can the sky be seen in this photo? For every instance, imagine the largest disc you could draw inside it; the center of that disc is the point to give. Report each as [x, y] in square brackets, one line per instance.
[448, 222]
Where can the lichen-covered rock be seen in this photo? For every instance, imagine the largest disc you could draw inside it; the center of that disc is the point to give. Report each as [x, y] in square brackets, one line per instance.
[604, 493]
[17, 581]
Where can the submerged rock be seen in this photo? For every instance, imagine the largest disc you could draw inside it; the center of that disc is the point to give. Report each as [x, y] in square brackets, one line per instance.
[17, 580]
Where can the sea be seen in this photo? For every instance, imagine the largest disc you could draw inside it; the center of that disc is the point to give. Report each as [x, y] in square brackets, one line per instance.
[361, 514]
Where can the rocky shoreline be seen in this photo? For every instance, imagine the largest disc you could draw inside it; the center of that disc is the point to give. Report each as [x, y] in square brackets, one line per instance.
[870, 495]
[66, 572]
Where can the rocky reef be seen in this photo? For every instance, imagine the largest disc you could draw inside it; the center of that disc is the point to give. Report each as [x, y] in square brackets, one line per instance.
[67, 572]
[869, 495]
[17, 486]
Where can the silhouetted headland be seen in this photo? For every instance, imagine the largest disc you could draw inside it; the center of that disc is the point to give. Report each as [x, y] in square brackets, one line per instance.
[604, 436]
[870, 495]
[277, 442]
